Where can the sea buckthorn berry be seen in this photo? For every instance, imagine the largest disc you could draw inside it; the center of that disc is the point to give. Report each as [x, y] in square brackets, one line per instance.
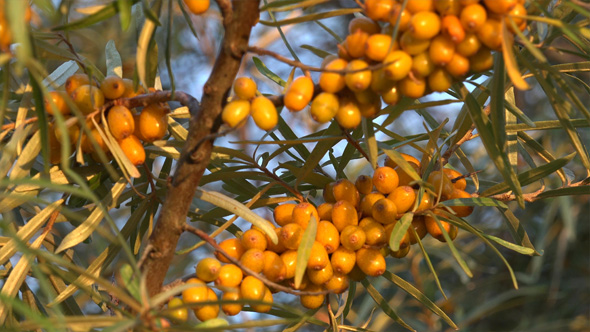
[355, 43]
[112, 87]
[299, 94]
[403, 16]
[196, 294]
[130, 90]
[404, 178]
[88, 147]
[490, 34]
[344, 190]
[384, 211]
[253, 259]
[441, 183]
[379, 82]
[328, 193]
[405, 241]
[231, 309]
[176, 311]
[121, 123]
[318, 258]
[333, 82]
[403, 197]
[254, 238]
[312, 301]
[320, 277]
[401, 253]
[353, 237]
[233, 247]
[367, 96]
[422, 64]
[468, 2]
[385, 179]
[447, 7]
[328, 235]
[400, 64]
[209, 311]
[230, 275]
[425, 202]
[302, 214]
[377, 46]
[324, 107]
[289, 257]
[473, 17]
[274, 268]
[278, 247]
[518, 10]
[391, 96]
[460, 184]
[420, 228]
[343, 260]
[452, 28]
[461, 211]
[424, 25]
[409, 158]
[413, 87]
[482, 60]
[291, 235]
[197, 7]
[371, 262]
[264, 113]
[378, 10]
[208, 269]
[368, 201]
[283, 213]
[364, 24]
[75, 81]
[73, 133]
[262, 308]
[245, 88]
[469, 46]
[500, 6]
[348, 115]
[441, 50]
[342, 52]
[338, 284]
[153, 122]
[415, 6]
[133, 149]
[344, 214]
[440, 80]
[364, 184]
[370, 110]
[235, 112]
[459, 66]
[57, 98]
[374, 231]
[434, 229]
[88, 98]
[359, 80]
[325, 211]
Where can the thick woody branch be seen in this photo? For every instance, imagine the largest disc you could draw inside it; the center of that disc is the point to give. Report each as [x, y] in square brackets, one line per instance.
[197, 152]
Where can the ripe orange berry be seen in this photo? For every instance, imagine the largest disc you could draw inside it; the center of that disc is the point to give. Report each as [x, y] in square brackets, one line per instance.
[289, 257]
[400, 64]
[254, 238]
[253, 259]
[424, 25]
[461, 211]
[482, 60]
[302, 214]
[360, 80]
[500, 6]
[133, 149]
[231, 309]
[245, 88]
[374, 231]
[333, 82]
[371, 262]
[469, 46]
[366, 207]
[262, 308]
[343, 260]
[441, 183]
[112, 87]
[460, 184]
[274, 268]
[355, 44]
[452, 28]
[121, 123]
[364, 184]
[518, 10]
[378, 10]
[447, 7]
[344, 214]
[324, 107]
[415, 6]
[441, 50]
[422, 64]
[490, 34]
[264, 113]
[338, 284]
[195, 294]
[56, 98]
[377, 46]
[299, 94]
[425, 202]
[391, 96]
[279, 247]
[380, 82]
[318, 258]
[434, 230]
[233, 247]
[440, 80]
[75, 81]
[405, 241]
[384, 211]
[348, 115]
[208, 311]
[291, 235]
[320, 277]
[88, 98]
[328, 235]
[312, 301]
[208, 269]
[404, 178]
[197, 7]
[385, 179]
[86, 143]
[153, 122]
[420, 228]
[473, 17]
[353, 237]
[230, 275]
[176, 311]
[410, 159]
[235, 113]
[283, 213]
[459, 66]
[130, 90]
[365, 24]
[345, 190]
[252, 288]
[403, 197]
[412, 87]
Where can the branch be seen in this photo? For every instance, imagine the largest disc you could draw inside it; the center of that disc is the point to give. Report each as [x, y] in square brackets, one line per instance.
[196, 153]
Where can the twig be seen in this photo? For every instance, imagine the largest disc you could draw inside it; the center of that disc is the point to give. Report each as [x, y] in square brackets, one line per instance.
[355, 144]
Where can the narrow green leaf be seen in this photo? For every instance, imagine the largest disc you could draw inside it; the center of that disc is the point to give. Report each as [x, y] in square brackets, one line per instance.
[114, 64]
[318, 153]
[382, 303]
[428, 262]
[124, 7]
[518, 232]
[130, 281]
[497, 112]
[454, 250]
[107, 12]
[263, 69]
[312, 17]
[403, 164]
[570, 191]
[304, 250]
[399, 231]
[187, 19]
[474, 201]
[316, 51]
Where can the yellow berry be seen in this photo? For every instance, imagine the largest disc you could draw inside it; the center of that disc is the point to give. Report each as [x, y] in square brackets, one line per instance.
[299, 94]
[153, 122]
[176, 311]
[229, 275]
[353, 237]
[441, 50]
[245, 88]
[289, 257]
[208, 269]
[112, 87]
[133, 149]
[344, 214]
[57, 98]
[424, 25]
[302, 214]
[482, 60]
[208, 311]
[343, 260]
[371, 262]
[283, 213]
[274, 268]
[403, 197]
[121, 123]
[88, 98]
[253, 259]
[412, 87]
[195, 294]
[338, 284]
[324, 107]
[358, 80]
[440, 80]
[345, 190]
[325, 211]
[422, 64]
[312, 301]
[231, 309]
[378, 46]
[235, 113]
[374, 231]
[328, 235]
[233, 247]
[469, 46]
[291, 235]
[254, 238]
[321, 276]
[262, 308]
[333, 82]
[75, 81]
[264, 113]
[400, 64]
[252, 288]
[348, 115]
[318, 257]
[473, 17]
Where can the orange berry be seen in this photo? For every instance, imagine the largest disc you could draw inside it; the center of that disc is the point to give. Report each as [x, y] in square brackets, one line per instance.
[57, 98]
[325, 211]
[88, 98]
[195, 294]
[401, 253]
[343, 260]
[425, 202]
[253, 259]
[345, 190]
[355, 44]
[461, 211]
[441, 50]
[245, 88]
[338, 284]
[318, 258]
[324, 107]
[400, 64]
[291, 235]
[371, 262]
[424, 25]
[333, 82]
[434, 229]
[403, 197]
[299, 94]
[368, 201]
[208, 269]
[364, 184]
[490, 34]
[176, 311]
[312, 301]
[130, 90]
[359, 80]
[279, 247]
[404, 178]
[378, 46]
[344, 214]
[328, 235]
[378, 10]
[412, 87]
[112, 87]
[283, 213]
[447, 7]
[469, 46]
[264, 113]
[353, 237]
[422, 64]
[121, 123]
[209, 311]
[231, 309]
[262, 308]
[401, 16]
[410, 159]
[405, 241]
[348, 115]
[235, 113]
[460, 184]
[385, 179]
[459, 66]
[289, 257]
[363, 23]
[441, 183]
[233, 247]
[384, 211]
[473, 17]
[374, 231]
[391, 96]
[420, 228]
[321, 276]
[302, 214]
[254, 238]
[453, 29]
[440, 80]
[88, 147]
[229, 275]
[500, 6]
[197, 7]
[415, 6]
[133, 149]
[75, 81]
[482, 60]
[274, 268]
[153, 122]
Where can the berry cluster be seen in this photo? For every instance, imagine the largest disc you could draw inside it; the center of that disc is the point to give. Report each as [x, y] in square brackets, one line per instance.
[5, 33]
[127, 127]
[263, 111]
[352, 240]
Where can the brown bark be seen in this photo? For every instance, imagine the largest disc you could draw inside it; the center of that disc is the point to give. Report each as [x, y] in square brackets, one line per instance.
[197, 151]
